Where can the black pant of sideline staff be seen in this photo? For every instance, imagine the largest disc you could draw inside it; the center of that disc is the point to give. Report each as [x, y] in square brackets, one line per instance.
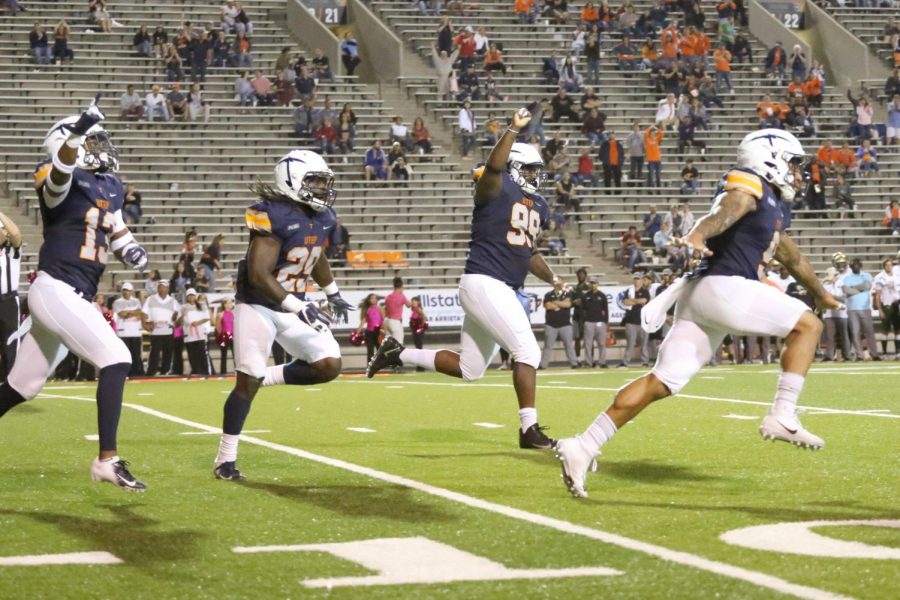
[9, 323]
[133, 344]
[160, 348]
[197, 357]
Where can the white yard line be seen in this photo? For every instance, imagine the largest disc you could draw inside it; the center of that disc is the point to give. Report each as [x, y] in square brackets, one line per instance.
[860, 413]
[683, 558]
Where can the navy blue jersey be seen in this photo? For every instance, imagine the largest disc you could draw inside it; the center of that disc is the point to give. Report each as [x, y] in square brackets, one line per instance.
[302, 235]
[77, 231]
[741, 248]
[503, 234]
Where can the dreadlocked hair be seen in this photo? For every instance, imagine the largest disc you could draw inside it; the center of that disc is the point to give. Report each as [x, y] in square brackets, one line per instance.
[267, 192]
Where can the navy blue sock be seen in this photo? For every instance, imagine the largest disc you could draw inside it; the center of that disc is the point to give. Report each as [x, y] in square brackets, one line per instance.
[9, 398]
[236, 410]
[299, 372]
[110, 386]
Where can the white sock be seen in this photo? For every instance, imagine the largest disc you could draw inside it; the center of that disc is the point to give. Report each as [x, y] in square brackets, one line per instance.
[228, 446]
[274, 376]
[111, 459]
[527, 417]
[599, 432]
[789, 387]
[419, 358]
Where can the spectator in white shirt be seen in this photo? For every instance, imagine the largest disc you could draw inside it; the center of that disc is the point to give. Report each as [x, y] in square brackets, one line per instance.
[836, 329]
[887, 301]
[466, 124]
[195, 319]
[156, 104]
[161, 312]
[127, 315]
[131, 105]
[667, 113]
[400, 133]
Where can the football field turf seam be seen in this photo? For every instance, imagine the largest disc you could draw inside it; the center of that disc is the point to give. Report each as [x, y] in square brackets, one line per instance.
[817, 409]
[679, 557]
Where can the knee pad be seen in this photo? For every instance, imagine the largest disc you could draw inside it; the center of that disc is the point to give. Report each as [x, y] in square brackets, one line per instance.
[112, 355]
[26, 389]
[678, 364]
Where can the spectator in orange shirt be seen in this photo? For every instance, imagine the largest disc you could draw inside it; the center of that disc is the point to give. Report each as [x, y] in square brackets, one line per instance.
[652, 139]
[845, 159]
[766, 111]
[796, 88]
[687, 46]
[826, 157]
[649, 54]
[813, 91]
[723, 67]
[493, 59]
[523, 12]
[589, 15]
[612, 155]
[669, 40]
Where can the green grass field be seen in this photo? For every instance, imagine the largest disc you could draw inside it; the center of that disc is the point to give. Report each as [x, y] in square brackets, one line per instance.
[453, 493]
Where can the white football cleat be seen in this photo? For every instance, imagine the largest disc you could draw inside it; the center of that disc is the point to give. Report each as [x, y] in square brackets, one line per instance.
[576, 461]
[116, 472]
[787, 428]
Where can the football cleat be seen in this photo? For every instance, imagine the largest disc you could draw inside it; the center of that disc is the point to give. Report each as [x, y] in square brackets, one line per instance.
[387, 355]
[787, 428]
[534, 438]
[227, 471]
[116, 472]
[575, 460]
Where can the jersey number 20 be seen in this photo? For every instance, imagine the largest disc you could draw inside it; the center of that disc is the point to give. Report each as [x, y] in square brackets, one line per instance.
[292, 277]
[91, 250]
[524, 226]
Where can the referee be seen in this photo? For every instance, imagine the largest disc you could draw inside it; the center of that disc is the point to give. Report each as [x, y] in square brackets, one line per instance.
[10, 261]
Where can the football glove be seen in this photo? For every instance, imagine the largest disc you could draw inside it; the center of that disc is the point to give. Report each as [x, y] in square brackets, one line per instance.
[338, 304]
[136, 257]
[88, 118]
[315, 318]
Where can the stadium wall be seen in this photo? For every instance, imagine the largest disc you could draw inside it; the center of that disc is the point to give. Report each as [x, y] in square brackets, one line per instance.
[849, 58]
[380, 50]
[315, 34]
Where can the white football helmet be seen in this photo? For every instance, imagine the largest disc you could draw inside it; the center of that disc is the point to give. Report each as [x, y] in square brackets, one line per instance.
[770, 153]
[292, 174]
[525, 166]
[97, 153]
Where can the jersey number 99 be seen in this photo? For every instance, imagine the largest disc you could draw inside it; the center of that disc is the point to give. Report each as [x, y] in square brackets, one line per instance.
[524, 226]
[91, 250]
[301, 259]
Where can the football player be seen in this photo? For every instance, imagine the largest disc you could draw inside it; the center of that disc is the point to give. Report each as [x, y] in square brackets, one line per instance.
[81, 203]
[509, 214]
[288, 228]
[724, 295]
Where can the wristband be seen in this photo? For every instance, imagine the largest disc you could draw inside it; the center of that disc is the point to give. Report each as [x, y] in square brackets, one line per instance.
[292, 304]
[330, 289]
[511, 130]
[122, 242]
[60, 166]
[75, 141]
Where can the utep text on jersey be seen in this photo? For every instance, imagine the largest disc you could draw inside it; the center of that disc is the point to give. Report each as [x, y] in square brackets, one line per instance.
[77, 231]
[504, 232]
[740, 248]
[302, 234]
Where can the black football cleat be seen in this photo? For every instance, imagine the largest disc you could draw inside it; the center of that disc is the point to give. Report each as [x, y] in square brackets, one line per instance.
[228, 471]
[387, 355]
[534, 438]
[116, 472]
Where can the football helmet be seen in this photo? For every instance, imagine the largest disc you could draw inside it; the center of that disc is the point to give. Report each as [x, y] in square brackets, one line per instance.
[97, 153]
[775, 155]
[525, 166]
[293, 174]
